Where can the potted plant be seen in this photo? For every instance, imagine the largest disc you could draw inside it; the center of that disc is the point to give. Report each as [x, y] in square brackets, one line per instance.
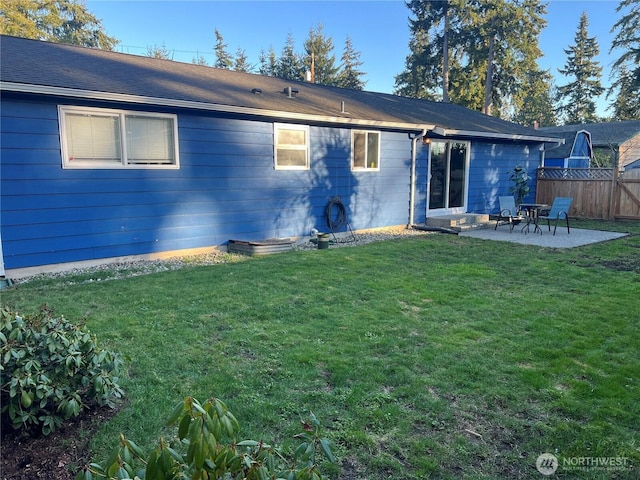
[519, 179]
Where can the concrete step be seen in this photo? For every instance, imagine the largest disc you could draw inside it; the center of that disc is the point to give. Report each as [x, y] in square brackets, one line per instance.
[460, 222]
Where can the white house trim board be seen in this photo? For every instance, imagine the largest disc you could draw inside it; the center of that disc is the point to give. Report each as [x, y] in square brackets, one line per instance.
[167, 102]
[138, 99]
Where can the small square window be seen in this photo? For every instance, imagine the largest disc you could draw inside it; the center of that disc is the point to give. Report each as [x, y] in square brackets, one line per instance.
[291, 147]
[365, 150]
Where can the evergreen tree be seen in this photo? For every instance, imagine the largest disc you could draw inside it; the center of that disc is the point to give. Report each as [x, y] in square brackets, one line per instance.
[289, 66]
[626, 105]
[475, 53]
[319, 58]
[223, 59]
[626, 69]
[350, 76]
[577, 99]
[536, 105]
[199, 60]
[241, 62]
[160, 52]
[268, 62]
[63, 21]
[432, 34]
[501, 41]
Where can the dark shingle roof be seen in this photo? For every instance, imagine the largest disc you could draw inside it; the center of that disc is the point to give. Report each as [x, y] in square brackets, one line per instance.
[560, 150]
[116, 76]
[602, 134]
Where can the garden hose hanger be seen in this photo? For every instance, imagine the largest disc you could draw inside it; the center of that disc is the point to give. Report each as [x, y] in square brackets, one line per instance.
[335, 215]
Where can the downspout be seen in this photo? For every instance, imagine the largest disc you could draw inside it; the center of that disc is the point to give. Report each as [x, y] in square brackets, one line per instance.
[544, 150]
[412, 186]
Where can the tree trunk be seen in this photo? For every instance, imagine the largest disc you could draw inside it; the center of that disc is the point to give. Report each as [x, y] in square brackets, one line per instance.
[489, 83]
[445, 56]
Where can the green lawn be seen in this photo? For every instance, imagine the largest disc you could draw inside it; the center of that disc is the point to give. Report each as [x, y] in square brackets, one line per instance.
[428, 357]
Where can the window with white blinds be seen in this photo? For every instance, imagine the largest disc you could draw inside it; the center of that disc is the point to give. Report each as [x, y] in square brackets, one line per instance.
[103, 138]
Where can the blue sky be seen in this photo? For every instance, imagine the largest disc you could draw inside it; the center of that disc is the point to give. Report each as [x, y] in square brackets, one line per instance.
[378, 29]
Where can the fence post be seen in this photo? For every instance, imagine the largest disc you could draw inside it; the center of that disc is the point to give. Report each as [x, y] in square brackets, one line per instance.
[614, 186]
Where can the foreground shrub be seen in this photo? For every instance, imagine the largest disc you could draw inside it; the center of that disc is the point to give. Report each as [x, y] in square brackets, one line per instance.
[52, 369]
[206, 449]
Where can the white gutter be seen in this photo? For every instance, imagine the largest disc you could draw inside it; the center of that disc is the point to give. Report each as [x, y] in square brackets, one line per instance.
[412, 186]
[215, 107]
[449, 132]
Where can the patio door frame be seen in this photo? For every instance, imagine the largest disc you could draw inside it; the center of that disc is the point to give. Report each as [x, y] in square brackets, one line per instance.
[446, 209]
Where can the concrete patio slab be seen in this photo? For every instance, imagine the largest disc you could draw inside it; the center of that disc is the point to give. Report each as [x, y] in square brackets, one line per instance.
[561, 239]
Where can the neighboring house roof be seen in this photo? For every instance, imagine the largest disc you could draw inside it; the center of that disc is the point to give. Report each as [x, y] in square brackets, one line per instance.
[33, 66]
[564, 150]
[602, 134]
[624, 136]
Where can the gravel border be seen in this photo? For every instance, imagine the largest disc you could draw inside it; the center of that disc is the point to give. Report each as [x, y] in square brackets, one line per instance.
[117, 271]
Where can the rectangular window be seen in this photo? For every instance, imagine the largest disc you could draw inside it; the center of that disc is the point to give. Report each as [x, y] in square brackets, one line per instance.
[365, 150]
[291, 147]
[104, 138]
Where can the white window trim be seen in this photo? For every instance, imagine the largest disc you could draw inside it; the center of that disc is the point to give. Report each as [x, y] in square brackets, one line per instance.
[286, 126]
[353, 151]
[122, 114]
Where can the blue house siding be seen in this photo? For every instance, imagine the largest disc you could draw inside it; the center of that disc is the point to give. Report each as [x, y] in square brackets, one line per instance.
[490, 167]
[226, 188]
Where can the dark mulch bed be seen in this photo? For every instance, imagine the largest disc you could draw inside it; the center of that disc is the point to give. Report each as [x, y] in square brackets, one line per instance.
[58, 456]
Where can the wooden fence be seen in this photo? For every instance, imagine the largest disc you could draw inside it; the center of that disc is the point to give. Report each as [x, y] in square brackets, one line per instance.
[599, 193]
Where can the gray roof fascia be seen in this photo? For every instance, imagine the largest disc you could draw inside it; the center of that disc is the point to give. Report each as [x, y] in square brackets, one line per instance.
[504, 136]
[167, 102]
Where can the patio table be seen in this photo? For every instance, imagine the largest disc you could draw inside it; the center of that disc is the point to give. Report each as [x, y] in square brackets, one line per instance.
[533, 211]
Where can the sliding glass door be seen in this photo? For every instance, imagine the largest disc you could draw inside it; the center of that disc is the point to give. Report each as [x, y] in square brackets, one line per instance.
[448, 172]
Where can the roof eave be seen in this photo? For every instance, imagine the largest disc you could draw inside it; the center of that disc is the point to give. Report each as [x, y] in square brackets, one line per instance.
[447, 132]
[176, 103]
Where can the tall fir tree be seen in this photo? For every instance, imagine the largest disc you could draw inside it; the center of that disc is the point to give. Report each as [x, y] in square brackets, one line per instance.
[626, 69]
[350, 75]
[241, 61]
[63, 21]
[536, 104]
[434, 30]
[223, 58]
[289, 65]
[501, 41]
[319, 58]
[268, 62]
[626, 88]
[577, 99]
[472, 52]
